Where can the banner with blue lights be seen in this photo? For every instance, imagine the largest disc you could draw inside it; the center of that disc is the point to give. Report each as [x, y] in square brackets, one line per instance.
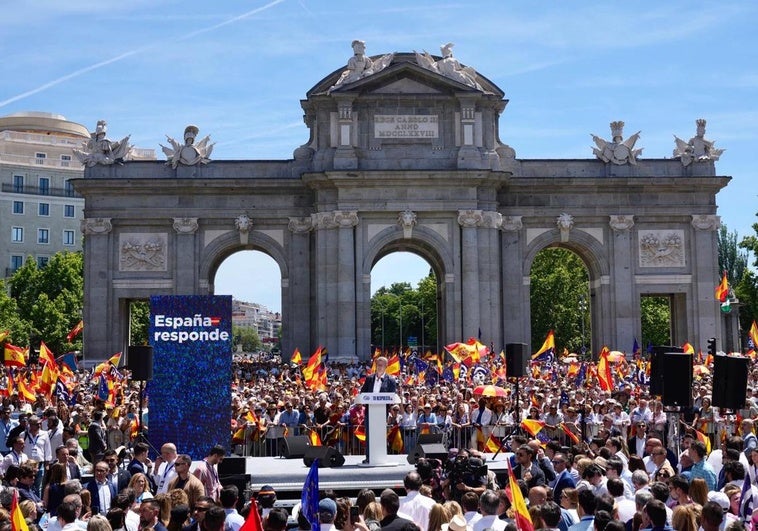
[190, 394]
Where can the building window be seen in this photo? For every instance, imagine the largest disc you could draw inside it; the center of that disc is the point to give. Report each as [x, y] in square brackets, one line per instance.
[65, 161]
[16, 262]
[40, 158]
[18, 207]
[44, 186]
[69, 189]
[43, 235]
[68, 237]
[17, 234]
[42, 261]
[18, 184]
[68, 211]
[44, 209]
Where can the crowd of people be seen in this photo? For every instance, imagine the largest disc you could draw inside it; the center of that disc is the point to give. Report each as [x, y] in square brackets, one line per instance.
[599, 459]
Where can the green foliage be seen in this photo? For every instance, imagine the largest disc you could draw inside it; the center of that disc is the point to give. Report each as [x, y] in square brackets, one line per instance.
[139, 322]
[655, 314]
[559, 284]
[11, 321]
[731, 259]
[415, 309]
[50, 299]
[747, 289]
[247, 337]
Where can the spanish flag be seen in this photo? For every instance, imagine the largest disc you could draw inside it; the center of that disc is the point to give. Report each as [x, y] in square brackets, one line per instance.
[722, 290]
[492, 445]
[570, 434]
[523, 519]
[703, 438]
[753, 334]
[393, 365]
[24, 391]
[4, 334]
[46, 355]
[314, 438]
[687, 348]
[395, 438]
[78, 327]
[360, 433]
[547, 351]
[296, 357]
[604, 375]
[15, 356]
[17, 518]
[313, 362]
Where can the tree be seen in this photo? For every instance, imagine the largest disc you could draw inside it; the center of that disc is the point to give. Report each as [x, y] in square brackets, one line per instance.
[747, 289]
[139, 322]
[559, 281]
[731, 259]
[247, 337]
[10, 321]
[400, 304]
[50, 299]
[655, 314]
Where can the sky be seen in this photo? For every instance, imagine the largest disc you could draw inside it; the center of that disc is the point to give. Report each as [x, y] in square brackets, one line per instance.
[238, 70]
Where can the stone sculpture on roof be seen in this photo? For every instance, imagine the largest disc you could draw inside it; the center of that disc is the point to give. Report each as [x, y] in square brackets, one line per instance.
[618, 151]
[360, 65]
[100, 150]
[190, 153]
[449, 66]
[698, 149]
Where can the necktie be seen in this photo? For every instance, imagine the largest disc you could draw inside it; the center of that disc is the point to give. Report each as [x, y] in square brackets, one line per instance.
[479, 416]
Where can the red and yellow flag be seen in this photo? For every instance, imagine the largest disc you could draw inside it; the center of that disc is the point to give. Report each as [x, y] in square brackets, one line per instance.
[604, 374]
[722, 290]
[393, 365]
[687, 348]
[4, 334]
[753, 334]
[46, 355]
[492, 445]
[703, 438]
[395, 438]
[313, 363]
[297, 358]
[15, 356]
[23, 389]
[78, 327]
[523, 519]
[570, 434]
[18, 523]
[360, 433]
[314, 438]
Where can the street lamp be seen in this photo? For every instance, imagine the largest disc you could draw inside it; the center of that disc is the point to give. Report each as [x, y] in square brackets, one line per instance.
[582, 310]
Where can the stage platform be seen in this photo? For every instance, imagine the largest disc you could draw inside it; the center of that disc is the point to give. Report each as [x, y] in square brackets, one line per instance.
[287, 476]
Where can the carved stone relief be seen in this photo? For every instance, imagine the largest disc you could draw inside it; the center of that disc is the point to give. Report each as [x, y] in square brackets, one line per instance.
[96, 226]
[621, 222]
[143, 252]
[706, 222]
[661, 248]
[407, 220]
[185, 225]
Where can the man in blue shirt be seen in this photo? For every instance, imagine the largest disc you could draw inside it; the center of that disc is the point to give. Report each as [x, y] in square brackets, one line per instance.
[290, 418]
[701, 468]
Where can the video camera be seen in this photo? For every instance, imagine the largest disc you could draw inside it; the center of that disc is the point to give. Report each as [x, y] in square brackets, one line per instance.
[463, 465]
[428, 469]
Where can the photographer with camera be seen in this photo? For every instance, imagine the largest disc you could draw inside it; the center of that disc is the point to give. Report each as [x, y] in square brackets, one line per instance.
[465, 473]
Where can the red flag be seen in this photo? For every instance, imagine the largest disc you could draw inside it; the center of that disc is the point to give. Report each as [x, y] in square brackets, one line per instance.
[253, 521]
[17, 518]
[296, 357]
[523, 518]
[604, 375]
[46, 355]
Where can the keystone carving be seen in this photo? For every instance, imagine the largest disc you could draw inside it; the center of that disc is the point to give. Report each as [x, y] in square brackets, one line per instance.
[407, 220]
[96, 226]
[621, 222]
[185, 225]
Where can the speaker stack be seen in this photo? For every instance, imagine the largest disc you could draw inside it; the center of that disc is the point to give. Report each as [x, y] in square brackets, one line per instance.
[139, 359]
[231, 471]
[656, 367]
[428, 451]
[677, 378]
[327, 456]
[516, 360]
[294, 447]
[729, 381]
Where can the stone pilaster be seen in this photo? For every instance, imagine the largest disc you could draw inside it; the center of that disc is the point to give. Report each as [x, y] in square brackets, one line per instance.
[185, 255]
[625, 296]
[345, 157]
[98, 268]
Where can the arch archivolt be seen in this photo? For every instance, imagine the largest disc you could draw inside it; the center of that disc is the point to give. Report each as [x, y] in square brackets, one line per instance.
[224, 246]
[592, 252]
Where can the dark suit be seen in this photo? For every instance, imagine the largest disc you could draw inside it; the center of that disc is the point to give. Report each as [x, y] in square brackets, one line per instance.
[92, 488]
[538, 476]
[123, 479]
[97, 442]
[393, 522]
[136, 467]
[389, 385]
[631, 444]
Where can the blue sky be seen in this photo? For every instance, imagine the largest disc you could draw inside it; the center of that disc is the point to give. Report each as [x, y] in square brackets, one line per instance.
[239, 69]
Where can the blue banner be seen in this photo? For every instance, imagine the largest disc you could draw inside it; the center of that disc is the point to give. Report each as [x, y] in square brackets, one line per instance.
[190, 394]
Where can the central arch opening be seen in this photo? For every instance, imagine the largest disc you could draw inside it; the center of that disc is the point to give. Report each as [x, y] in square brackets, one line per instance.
[405, 295]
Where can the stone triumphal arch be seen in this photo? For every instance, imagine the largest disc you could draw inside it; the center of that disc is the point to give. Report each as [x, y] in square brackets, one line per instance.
[405, 154]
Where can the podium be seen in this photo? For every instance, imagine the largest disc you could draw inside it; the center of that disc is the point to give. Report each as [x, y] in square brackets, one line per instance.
[376, 427]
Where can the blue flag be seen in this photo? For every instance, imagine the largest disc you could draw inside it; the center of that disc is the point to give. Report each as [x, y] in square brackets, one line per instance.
[102, 389]
[309, 498]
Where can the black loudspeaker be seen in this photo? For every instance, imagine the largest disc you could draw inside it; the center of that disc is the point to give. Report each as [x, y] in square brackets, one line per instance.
[429, 451]
[293, 447]
[242, 482]
[140, 362]
[429, 438]
[516, 360]
[231, 466]
[656, 367]
[677, 379]
[729, 381]
[327, 456]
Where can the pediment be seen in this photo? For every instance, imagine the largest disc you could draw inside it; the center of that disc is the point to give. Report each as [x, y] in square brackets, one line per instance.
[402, 76]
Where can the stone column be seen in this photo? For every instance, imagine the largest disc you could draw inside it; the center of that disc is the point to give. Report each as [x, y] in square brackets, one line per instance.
[469, 220]
[706, 310]
[296, 296]
[185, 270]
[325, 279]
[346, 282]
[99, 335]
[516, 325]
[490, 286]
[626, 298]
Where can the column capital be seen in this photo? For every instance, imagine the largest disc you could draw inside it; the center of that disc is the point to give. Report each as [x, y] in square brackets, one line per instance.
[512, 223]
[96, 226]
[300, 225]
[621, 222]
[469, 218]
[706, 222]
[185, 225]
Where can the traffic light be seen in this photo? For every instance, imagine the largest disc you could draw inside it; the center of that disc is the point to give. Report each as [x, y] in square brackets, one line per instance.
[712, 346]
